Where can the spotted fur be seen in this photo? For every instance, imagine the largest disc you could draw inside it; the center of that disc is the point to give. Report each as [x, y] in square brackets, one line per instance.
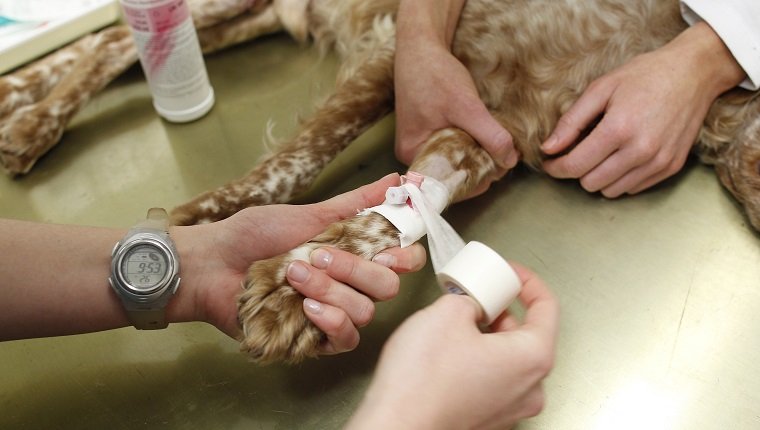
[39, 100]
[530, 61]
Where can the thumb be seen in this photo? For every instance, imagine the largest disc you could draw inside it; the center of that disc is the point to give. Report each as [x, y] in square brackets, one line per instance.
[457, 309]
[490, 134]
[347, 204]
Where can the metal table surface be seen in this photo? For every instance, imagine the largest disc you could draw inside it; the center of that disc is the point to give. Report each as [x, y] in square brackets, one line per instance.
[660, 292]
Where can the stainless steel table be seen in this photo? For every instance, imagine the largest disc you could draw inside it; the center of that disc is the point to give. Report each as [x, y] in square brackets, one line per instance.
[660, 292]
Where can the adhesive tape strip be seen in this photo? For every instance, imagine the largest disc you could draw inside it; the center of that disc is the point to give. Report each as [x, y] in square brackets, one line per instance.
[481, 273]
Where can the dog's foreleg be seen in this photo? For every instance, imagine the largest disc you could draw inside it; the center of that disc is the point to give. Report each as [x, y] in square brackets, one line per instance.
[356, 104]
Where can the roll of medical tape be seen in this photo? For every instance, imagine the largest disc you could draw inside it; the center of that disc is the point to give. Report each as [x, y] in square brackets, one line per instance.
[481, 273]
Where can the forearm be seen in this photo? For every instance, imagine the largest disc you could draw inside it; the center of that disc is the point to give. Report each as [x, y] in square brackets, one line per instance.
[54, 281]
[427, 20]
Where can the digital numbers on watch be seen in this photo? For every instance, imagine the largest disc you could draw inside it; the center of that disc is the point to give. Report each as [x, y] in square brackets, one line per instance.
[144, 267]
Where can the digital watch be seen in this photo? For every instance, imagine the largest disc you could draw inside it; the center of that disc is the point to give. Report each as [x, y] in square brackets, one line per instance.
[145, 271]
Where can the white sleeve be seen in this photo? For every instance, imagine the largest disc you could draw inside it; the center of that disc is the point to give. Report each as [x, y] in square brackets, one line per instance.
[737, 22]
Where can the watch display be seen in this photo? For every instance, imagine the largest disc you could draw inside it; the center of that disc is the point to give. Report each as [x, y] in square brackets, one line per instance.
[144, 267]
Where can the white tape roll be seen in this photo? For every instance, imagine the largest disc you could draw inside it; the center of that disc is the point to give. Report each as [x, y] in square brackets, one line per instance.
[481, 273]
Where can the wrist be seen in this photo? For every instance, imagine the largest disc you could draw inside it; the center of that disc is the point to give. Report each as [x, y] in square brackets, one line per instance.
[387, 406]
[427, 21]
[184, 306]
[713, 62]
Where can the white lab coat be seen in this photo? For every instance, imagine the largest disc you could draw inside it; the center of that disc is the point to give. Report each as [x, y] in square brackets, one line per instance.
[737, 22]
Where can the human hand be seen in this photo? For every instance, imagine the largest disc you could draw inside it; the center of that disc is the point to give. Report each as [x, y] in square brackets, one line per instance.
[215, 259]
[341, 289]
[649, 110]
[433, 91]
[439, 371]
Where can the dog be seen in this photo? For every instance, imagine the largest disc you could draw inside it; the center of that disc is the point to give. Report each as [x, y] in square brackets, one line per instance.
[530, 60]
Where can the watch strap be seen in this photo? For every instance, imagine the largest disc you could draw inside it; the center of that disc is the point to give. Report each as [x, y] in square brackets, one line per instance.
[157, 219]
[149, 319]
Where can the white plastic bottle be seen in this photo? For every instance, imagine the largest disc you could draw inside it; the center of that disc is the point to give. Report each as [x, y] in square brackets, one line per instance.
[171, 57]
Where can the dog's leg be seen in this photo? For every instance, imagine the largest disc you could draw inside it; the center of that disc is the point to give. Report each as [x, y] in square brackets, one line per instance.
[357, 103]
[38, 101]
[30, 130]
[238, 29]
[270, 310]
[32, 83]
[730, 140]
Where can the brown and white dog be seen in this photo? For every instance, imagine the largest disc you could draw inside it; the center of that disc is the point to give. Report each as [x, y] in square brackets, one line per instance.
[530, 60]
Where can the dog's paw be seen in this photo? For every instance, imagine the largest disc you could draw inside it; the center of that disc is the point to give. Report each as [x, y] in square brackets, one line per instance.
[270, 311]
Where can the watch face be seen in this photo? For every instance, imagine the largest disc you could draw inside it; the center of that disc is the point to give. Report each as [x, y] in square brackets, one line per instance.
[144, 266]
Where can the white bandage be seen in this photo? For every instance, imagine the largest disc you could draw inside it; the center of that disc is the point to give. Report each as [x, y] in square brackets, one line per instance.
[476, 270]
[431, 195]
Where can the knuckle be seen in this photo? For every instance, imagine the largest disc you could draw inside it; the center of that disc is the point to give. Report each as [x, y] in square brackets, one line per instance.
[573, 169]
[348, 341]
[450, 302]
[405, 152]
[589, 184]
[673, 168]
[597, 84]
[568, 121]
[543, 364]
[662, 162]
[365, 313]
[610, 193]
[535, 403]
[617, 130]
[316, 286]
[390, 289]
[648, 149]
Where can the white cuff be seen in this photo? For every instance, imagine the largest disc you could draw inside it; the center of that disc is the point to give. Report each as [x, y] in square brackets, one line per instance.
[737, 23]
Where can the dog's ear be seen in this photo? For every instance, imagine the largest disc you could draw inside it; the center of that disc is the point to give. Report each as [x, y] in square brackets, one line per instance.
[292, 15]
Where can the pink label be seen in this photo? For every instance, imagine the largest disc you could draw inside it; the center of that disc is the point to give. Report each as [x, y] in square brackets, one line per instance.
[157, 19]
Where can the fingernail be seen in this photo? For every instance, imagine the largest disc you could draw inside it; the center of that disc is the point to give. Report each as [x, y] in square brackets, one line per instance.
[312, 306]
[550, 143]
[320, 258]
[298, 272]
[384, 259]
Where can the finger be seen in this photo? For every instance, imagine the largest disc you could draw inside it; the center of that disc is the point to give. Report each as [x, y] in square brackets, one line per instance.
[611, 170]
[649, 182]
[372, 279]
[589, 106]
[627, 182]
[456, 309]
[341, 334]
[541, 307]
[642, 177]
[587, 155]
[533, 402]
[408, 143]
[402, 260]
[347, 204]
[674, 167]
[318, 285]
[478, 122]
[505, 322]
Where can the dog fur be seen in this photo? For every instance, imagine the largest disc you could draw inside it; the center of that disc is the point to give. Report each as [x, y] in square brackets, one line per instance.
[530, 61]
